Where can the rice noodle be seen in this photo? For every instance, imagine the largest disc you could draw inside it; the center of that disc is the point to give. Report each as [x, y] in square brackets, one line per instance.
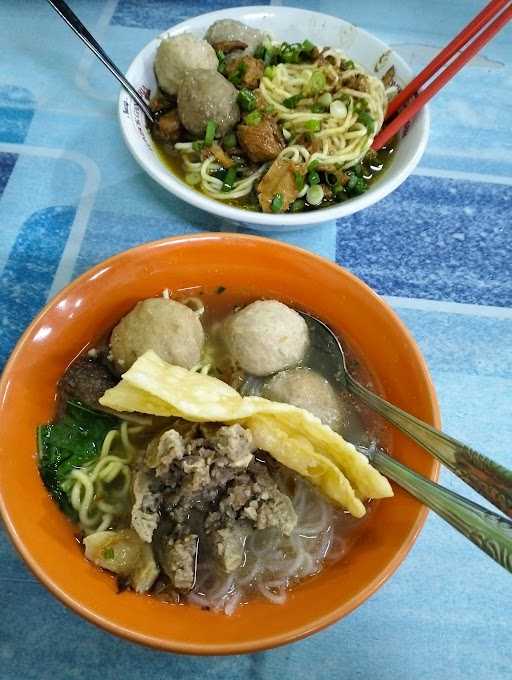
[273, 562]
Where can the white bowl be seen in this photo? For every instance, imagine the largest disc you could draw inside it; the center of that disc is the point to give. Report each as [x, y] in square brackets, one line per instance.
[292, 25]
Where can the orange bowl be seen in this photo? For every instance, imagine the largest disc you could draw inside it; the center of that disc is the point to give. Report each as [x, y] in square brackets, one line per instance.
[89, 307]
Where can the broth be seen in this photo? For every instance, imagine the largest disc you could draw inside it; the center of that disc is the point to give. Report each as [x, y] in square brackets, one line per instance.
[271, 561]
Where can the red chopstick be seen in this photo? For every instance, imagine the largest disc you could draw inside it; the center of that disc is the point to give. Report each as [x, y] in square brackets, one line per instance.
[453, 67]
[442, 58]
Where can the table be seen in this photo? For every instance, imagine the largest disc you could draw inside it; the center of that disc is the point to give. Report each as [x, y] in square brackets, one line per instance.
[438, 249]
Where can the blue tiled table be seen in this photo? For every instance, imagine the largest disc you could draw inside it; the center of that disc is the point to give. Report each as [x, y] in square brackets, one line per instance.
[439, 249]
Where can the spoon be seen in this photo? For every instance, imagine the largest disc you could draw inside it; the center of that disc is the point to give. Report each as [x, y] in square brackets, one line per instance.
[77, 26]
[491, 532]
[491, 480]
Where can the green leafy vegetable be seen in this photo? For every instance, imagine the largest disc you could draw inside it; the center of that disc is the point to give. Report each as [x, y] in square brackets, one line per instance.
[246, 100]
[73, 442]
[298, 205]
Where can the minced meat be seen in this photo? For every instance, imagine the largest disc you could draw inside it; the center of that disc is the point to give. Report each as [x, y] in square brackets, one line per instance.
[200, 482]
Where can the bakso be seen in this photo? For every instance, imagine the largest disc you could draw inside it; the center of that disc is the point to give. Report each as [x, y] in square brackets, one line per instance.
[226, 31]
[307, 389]
[205, 96]
[178, 54]
[311, 110]
[169, 328]
[266, 337]
[187, 489]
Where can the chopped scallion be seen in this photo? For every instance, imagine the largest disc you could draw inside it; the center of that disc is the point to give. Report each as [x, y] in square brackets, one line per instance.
[312, 125]
[253, 118]
[209, 135]
[307, 46]
[229, 141]
[365, 118]
[108, 554]
[277, 203]
[313, 177]
[246, 100]
[229, 179]
[356, 185]
[313, 165]
[291, 102]
[317, 82]
[299, 181]
[297, 205]
[325, 99]
[315, 195]
[269, 72]
[198, 145]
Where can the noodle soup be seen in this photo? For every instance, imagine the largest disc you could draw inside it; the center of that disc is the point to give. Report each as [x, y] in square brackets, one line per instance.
[268, 126]
[196, 506]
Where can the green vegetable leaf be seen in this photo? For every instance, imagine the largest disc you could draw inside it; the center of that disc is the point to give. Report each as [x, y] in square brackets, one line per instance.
[73, 442]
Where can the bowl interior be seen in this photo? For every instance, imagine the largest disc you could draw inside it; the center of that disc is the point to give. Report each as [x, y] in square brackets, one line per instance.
[292, 25]
[89, 307]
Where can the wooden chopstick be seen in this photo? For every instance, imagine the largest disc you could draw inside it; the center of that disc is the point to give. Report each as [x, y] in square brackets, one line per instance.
[451, 69]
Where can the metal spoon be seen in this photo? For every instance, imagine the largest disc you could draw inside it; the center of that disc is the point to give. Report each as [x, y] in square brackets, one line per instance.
[491, 480]
[74, 22]
[492, 533]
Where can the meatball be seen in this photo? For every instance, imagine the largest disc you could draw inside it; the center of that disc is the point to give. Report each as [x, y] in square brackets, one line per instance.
[266, 337]
[306, 389]
[169, 328]
[86, 380]
[207, 95]
[227, 30]
[179, 53]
